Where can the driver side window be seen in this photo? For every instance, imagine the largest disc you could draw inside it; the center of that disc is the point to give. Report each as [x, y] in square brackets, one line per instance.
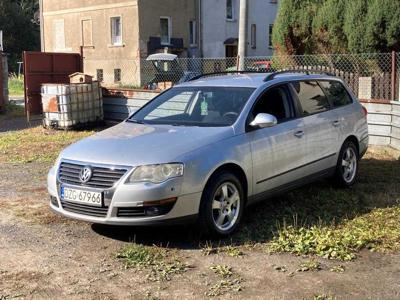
[275, 101]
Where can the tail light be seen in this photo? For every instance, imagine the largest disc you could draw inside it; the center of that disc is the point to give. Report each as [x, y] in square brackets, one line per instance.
[365, 111]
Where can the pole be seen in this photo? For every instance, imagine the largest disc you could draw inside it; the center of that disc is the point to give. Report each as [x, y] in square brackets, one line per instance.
[393, 79]
[242, 34]
[1, 41]
[41, 20]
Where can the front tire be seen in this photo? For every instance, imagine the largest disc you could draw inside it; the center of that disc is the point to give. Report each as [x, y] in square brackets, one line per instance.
[222, 205]
[347, 165]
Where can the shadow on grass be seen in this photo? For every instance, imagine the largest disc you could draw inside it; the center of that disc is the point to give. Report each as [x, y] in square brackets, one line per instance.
[315, 204]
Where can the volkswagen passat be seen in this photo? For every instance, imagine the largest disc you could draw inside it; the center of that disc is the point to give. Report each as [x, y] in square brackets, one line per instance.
[207, 148]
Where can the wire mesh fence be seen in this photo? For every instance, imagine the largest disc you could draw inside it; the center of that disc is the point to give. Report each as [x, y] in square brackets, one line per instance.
[370, 76]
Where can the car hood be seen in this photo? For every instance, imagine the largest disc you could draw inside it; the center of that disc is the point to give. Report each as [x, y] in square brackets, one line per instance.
[132, 144]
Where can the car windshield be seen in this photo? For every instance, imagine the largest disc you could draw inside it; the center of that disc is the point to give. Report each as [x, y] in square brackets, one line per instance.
[195, 106]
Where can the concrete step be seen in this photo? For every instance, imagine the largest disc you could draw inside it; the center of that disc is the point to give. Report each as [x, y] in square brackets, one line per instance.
[380, 128]
[396, 106]
[396, 132]
[379, 117]
[379, 140]
[395, 143]
[377, 107]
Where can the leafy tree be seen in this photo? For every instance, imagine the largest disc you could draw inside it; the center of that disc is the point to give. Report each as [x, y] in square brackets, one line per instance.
[383, 25]
[293, 28]
[328, 27]
[20, 28]
[337, 26]
[354, 27]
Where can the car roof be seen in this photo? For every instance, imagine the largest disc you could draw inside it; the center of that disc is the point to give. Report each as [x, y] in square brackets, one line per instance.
[251, 80]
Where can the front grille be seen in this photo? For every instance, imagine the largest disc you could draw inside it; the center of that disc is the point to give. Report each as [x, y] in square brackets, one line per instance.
[83, 209]
[101, 178]
[129, 212]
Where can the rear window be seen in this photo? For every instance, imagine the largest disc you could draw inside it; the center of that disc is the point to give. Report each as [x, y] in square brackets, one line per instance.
[311, 97]
[336, 93]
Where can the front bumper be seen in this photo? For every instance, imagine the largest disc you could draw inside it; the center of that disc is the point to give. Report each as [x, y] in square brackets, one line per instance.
[123, 195]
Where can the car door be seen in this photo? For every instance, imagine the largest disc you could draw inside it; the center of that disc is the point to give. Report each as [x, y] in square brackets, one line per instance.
[277, 151]
[321, 127]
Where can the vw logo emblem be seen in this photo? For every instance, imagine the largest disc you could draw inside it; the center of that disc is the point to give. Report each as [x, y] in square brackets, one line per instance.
[85, 174]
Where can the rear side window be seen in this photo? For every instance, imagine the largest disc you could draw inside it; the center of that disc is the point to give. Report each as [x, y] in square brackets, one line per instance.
[311, 97]
[336, 93]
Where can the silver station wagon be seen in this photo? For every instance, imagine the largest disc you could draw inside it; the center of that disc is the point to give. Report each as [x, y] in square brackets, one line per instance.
[206, 149]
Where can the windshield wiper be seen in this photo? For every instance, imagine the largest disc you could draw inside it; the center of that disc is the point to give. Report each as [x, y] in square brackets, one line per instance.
[135, 121]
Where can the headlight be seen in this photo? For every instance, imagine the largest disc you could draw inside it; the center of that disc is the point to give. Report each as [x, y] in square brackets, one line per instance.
[156, 173]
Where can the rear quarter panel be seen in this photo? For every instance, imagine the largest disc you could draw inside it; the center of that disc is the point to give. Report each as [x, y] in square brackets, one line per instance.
[353, 122]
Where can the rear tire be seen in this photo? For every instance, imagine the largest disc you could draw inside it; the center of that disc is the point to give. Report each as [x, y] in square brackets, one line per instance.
[222, 205]
[347, 165]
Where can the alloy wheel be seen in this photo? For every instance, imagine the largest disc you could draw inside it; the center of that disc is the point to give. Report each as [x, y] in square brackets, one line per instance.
[349, 165]
[226, 206]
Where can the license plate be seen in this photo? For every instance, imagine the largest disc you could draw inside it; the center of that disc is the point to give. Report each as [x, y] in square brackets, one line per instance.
[81, 196]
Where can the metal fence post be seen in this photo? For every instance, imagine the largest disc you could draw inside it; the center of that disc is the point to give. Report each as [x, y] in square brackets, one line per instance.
[394, 71]
[82, 60]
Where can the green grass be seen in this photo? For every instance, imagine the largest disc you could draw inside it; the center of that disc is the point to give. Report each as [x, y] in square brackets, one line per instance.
[209, 249]
[36, 144]
[309, 265]
[222, 270]
[16, 85]
[161, 264]
[227, 281]
[323, 297]
[329, 222]
[12, 111]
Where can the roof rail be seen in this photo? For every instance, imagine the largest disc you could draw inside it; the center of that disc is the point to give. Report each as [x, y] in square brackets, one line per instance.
[223, 73]
[306, 71]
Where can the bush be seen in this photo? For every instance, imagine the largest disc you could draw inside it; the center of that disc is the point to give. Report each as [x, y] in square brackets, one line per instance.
[16, 85]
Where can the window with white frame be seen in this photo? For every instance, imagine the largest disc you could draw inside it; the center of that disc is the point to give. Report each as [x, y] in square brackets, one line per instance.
[193, 33]
[270, 31]
[165, 26]
[253, 36]
[230, 10]
[116, 31]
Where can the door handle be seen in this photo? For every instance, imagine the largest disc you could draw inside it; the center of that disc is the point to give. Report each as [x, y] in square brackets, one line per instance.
[336, 123]
[299, 134]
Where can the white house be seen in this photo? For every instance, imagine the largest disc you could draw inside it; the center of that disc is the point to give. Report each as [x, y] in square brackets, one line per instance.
[220, 27]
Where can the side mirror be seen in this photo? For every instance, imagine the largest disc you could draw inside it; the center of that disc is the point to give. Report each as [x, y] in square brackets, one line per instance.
[264, 121]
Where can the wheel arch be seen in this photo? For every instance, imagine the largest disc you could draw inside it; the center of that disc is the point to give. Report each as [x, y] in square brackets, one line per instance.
[354, 140]
[236, 170]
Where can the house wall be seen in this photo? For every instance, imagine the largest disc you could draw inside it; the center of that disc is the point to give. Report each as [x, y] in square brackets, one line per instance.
[216, 28]
[101, 54]
[140, 21]
[262, 13]
[181, 13]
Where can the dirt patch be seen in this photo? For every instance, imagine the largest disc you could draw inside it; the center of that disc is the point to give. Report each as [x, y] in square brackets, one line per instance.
[47, 256]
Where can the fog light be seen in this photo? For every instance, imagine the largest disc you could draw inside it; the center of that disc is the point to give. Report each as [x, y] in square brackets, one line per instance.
[153, 211]
[54, 201]
[159, 207]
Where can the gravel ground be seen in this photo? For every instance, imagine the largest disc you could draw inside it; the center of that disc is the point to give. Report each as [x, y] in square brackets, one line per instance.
[18, 124]
[45, 256]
